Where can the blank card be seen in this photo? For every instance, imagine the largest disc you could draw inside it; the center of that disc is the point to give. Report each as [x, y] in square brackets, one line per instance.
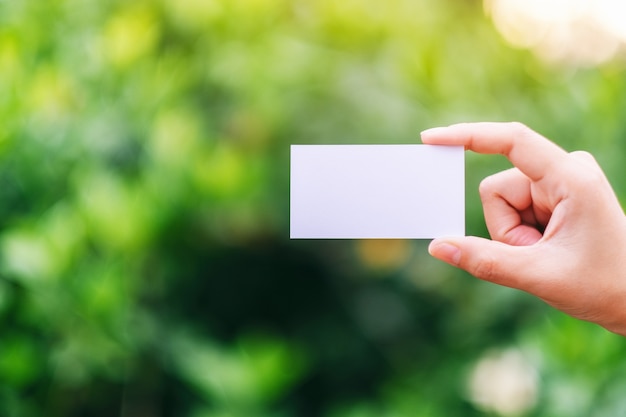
[377, 191]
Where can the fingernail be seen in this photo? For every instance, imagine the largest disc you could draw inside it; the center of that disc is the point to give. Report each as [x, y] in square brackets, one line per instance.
[431, 131]
[445, 252]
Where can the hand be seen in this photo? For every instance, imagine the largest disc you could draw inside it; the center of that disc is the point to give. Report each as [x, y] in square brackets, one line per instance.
[558, 230]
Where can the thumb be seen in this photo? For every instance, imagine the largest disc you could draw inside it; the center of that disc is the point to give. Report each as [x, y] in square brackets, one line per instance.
[486, 259]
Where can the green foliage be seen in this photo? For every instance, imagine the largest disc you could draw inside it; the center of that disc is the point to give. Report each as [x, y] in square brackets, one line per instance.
[145, 265]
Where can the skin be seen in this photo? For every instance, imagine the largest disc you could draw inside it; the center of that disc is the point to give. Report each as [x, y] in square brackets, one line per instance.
[557, 229]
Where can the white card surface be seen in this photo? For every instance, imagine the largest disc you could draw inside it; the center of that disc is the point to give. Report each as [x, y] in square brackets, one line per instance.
[377, 191]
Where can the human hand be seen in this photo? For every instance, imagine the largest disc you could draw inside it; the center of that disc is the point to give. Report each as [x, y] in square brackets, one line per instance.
[558, 230]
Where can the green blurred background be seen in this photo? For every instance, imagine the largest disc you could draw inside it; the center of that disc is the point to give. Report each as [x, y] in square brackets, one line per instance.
[146, 268]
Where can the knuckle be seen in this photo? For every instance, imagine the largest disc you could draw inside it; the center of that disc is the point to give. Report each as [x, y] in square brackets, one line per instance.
[487, 186]
[584, 169]
[583, 156]
[520, 129]
[485, 268]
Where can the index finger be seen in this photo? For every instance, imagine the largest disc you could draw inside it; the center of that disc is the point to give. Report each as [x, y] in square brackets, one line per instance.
[533, 154]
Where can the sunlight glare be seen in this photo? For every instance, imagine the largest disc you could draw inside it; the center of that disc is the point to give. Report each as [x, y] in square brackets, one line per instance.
[573, 32]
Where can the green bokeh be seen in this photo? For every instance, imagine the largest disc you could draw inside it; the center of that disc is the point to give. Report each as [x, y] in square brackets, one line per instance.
[146, 268]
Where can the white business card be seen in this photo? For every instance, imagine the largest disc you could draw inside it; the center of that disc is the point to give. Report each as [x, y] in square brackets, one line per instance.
[377, 191]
